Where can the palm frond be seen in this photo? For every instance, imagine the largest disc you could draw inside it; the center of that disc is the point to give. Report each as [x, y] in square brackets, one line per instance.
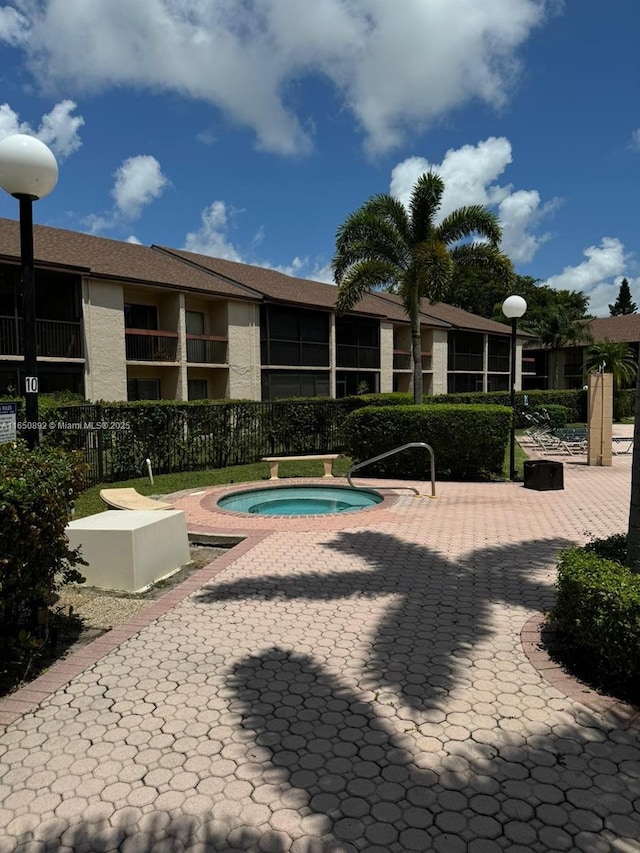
[431, 269]
[613, 357]
[484, 256]
[365, 236]
[467, 221]
[363, 277]
[426, 198]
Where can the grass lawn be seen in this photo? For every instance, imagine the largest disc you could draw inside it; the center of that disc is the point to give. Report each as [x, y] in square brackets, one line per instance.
[89, 503]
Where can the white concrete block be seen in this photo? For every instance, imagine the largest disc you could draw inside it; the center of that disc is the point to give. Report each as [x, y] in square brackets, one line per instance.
[130, 549]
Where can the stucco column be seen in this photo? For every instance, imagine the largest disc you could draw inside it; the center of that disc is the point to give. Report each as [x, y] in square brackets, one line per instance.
[332, 355]
[103, 326]
[599, 418]
[182, 390]
[386, 357]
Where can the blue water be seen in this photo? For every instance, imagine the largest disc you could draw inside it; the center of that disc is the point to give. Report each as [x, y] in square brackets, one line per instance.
[300, 500]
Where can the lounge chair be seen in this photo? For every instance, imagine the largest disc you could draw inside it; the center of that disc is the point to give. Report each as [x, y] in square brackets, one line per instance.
[131, 499]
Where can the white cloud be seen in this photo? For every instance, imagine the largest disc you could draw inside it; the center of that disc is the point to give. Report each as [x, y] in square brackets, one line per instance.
[58, 128]
[395, 65]
[470, 174]
[635, 140]
[598, 276]
[139, 180]
[133, 239]
[211, 238]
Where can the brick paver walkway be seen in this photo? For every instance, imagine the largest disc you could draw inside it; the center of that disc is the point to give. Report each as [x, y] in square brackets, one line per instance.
[352, 683]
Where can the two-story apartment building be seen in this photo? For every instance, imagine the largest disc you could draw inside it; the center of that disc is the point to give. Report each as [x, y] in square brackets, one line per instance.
[121, 321]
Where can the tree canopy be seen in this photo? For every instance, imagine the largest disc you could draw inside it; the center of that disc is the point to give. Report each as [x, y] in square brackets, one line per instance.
[623, 304]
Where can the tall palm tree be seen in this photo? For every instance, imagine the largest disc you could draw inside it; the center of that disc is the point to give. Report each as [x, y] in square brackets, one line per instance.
[616, 358]
[385, 246]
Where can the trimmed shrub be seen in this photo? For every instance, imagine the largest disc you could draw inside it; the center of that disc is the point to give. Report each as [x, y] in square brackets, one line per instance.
[468, 442]
[575, 402]
[624, 400]
[598, 614]
[36, 493]
[612, 548]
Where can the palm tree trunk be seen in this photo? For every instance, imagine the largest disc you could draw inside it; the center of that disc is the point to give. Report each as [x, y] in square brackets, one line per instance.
[416, 350]
[633, 534]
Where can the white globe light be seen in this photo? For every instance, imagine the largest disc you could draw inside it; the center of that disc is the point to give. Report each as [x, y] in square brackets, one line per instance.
[514, 307]
[27, 167]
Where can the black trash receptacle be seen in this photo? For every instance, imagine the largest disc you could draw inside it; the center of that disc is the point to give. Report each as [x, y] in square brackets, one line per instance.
[543, 475]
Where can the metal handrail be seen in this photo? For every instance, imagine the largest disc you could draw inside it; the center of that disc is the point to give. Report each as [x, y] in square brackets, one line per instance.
[391, 453]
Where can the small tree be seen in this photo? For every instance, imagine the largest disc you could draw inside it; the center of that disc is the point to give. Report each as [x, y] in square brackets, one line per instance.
[623, 304]
[556, 329]
[616, 358]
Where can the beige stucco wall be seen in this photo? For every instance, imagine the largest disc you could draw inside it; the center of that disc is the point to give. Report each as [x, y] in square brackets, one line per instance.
[386, 356]
[105, 369]
[244, 350]
[439, 360]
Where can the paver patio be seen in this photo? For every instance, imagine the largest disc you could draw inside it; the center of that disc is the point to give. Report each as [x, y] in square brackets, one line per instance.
[348, 683]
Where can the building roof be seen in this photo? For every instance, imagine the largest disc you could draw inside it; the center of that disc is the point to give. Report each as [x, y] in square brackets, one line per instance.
[275, 285]
[114, 259]
[625, 328]
[442, 314]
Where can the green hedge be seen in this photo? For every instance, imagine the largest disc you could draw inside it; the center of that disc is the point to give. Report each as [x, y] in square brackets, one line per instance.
[575, 402]
[469, 442]
[36, 491]
[597, 613]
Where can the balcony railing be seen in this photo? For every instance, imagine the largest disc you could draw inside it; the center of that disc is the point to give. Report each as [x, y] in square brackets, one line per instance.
[151, 345]
[206, 349]
[352, 355]
[295, 353]
[54, 338]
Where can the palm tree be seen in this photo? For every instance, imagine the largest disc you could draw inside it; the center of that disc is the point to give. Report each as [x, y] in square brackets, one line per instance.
[616, 358]
[556, 329]
[385, 246]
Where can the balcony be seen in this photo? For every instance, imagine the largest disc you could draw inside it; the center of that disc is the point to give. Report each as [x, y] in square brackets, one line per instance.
[294, 353]
[352, 355]
[206, 349]
[54, 338]
[529, 366]
[401, 359]
[151, 345]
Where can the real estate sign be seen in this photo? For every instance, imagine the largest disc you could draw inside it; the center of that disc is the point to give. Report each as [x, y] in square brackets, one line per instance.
[8, 413]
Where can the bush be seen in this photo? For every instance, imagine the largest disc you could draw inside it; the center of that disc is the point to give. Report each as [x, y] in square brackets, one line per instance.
[598, 614]
[575, 402]
[36, 490]
[623, 403]
[557, 415]
[468, 442]
[612, 548]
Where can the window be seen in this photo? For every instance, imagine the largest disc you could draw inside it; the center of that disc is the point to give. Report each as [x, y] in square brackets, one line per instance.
[140, 316]
[351, 382]
[289, 336]
[282, 384]
[466, 351]
[194, 322]
[197, 389]
[143, 389]
[357, 342]
[498, 382]
[499, 354]
[463, 383]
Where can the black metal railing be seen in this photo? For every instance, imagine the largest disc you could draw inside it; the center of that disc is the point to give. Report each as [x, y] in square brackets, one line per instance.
[204, 349]
[54, 338]
[151, 345]
[116, 440]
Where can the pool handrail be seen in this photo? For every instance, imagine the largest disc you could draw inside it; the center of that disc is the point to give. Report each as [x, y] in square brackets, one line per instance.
[391, 453]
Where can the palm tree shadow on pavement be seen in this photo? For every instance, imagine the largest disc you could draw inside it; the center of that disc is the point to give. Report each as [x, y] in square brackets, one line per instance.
[443, 609]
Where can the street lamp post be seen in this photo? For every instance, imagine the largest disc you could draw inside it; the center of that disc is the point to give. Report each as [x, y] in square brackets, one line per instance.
[512, 308]
[28, 171]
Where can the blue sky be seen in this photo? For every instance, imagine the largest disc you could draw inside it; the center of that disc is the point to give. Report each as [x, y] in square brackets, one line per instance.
[249, 129]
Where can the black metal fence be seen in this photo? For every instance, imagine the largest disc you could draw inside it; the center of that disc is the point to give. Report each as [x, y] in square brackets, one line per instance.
[116, 440]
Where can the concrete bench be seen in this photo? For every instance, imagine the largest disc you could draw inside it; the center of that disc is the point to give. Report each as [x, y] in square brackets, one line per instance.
[130, 550]
[131, 499]
[326, 459]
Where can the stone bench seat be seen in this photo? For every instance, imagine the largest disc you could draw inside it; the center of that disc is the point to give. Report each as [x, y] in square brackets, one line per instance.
[327, 460]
